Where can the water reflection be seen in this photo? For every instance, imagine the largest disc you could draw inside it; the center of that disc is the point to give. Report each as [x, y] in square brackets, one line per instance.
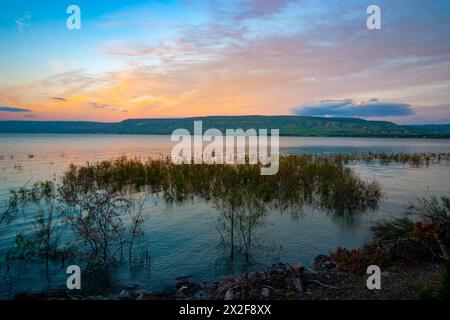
[183, 240]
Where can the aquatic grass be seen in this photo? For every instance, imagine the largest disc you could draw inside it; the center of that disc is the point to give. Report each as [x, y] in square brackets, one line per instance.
[95, 195]
[8, 213]
[433, 208]
[393, 229]
[423, 159]
[240, 194]
[301, 179]
[428, 222]
[434, 213]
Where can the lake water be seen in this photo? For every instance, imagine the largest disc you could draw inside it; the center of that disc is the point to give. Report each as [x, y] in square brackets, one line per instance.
[183, 240]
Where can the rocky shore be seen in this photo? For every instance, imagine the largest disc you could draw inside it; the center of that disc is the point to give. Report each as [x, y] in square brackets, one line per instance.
[325, 281]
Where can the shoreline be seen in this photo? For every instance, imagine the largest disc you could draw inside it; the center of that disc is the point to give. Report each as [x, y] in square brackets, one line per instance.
[400, 246]
[404, 279]
[412, 137]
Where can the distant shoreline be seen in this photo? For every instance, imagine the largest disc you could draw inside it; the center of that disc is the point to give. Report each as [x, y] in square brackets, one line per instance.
[430, 137]
[289, 126]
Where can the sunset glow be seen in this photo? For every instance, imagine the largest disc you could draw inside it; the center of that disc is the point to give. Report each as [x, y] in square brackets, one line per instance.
[148, 59]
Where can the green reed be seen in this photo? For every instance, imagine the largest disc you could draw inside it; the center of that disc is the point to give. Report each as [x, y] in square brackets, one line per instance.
[239, 193]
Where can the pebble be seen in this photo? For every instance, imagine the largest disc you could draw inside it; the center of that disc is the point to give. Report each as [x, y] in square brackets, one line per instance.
[124, 295]
[266, 293]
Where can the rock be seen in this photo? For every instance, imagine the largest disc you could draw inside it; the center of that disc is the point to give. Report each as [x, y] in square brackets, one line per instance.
[190, 289]
[323, 262]
[281, 268]
[232, 294]
[278, 274]
[298, 268]
[308, 271]
[220, 291]
[201, 295]
[136, 293]
[141, 297]
[266, 293]
[254, 276]
[277, 280]
[188, 286]
[124, 295]
[298, 285]
[228, 295]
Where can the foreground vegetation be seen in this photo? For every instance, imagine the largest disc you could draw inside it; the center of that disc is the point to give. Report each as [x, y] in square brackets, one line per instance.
[421, 237]
[92, 201]
[411, 269]
[414, 264]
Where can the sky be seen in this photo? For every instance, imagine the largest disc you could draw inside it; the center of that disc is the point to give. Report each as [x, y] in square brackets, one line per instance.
[155, 59]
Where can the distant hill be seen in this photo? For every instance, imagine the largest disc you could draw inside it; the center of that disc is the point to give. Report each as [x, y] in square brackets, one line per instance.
[433, 128]
[288, 125]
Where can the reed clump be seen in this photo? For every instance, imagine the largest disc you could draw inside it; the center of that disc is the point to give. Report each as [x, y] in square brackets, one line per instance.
[428, 221]
[240, 194]
[423, 159]
[94, 197]
[301, 179]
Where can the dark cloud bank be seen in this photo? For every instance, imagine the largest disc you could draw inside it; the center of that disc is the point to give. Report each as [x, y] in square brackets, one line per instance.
[350, 108]
[12, 109]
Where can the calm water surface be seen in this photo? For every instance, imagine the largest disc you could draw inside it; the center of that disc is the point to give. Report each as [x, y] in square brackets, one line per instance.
[183, 240]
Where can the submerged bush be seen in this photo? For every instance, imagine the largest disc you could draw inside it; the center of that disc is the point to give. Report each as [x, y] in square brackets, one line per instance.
[431, 225]
[95, 217]
[239, 192]
[8, 213]
[95, 196]
[92, 211]
[43, 242]
[393, 229]
[433, 209]
[301, 179]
